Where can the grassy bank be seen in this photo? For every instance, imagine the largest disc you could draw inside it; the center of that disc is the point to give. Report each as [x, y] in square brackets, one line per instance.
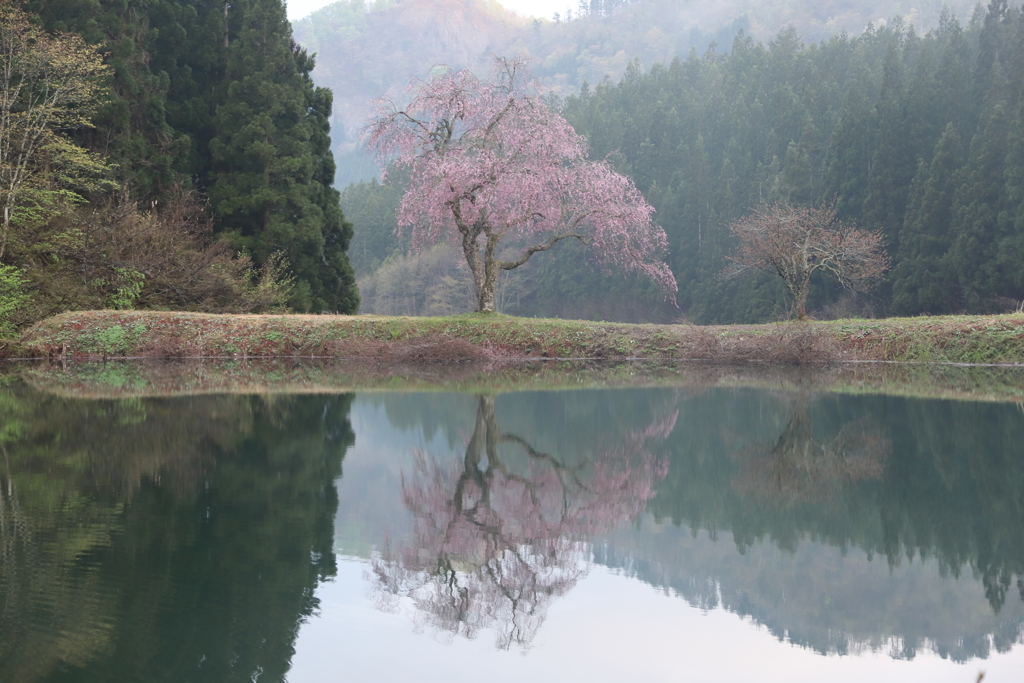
[474, 337]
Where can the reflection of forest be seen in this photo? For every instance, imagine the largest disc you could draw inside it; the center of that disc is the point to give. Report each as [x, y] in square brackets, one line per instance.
[918, 482]
[875, 522]
[504, 530]
[186, 536]
[154, 539]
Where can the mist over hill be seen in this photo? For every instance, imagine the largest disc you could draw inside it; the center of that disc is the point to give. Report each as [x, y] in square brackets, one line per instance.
[366, 50]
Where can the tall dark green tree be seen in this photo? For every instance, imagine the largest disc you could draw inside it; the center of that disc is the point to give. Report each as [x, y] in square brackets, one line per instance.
[923, 280]
[132, 128]
[892, 164]
[850, 148]
[1011, 219]
[270, 183]
[978, 202]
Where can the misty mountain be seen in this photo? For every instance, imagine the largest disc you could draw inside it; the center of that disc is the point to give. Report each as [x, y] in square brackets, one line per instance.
[366, 50]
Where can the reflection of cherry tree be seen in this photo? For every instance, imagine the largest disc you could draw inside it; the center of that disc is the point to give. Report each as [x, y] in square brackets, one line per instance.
[501, 534]
[799, 468]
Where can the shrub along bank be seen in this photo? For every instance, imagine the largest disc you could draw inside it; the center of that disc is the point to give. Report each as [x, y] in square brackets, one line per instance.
[148, 334]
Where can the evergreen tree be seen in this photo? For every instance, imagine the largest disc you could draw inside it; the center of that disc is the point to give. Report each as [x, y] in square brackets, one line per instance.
[191, 48]
[372, 206]
[953, 79]
[977, 203]
[991, 42]
[1010, 251]
[850, 149]
[132, 128]
[267, 186]
[892, 164]
[217, 95]
[331, 266]
[799, 175]
[922, 281]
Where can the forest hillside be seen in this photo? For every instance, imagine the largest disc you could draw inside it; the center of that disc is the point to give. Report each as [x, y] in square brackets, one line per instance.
[918, 135]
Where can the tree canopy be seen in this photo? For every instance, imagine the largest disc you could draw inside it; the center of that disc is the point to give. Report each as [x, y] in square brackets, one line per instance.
[50, 85]
[490, 161]
[795, 242]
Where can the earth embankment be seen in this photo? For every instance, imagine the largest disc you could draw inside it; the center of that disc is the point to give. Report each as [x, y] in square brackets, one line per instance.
[479, 337]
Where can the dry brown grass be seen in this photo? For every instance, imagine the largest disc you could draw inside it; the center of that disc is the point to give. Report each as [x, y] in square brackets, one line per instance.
[475, 337]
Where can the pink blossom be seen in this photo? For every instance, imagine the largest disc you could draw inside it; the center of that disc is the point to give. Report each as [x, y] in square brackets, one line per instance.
[494, 544]
[491, 162]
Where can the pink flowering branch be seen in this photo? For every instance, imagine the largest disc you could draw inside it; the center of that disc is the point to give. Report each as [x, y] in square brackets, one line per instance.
[490, 163]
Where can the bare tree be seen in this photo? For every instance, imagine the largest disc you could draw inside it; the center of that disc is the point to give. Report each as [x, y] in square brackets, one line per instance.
[797, 241]
[801, 467]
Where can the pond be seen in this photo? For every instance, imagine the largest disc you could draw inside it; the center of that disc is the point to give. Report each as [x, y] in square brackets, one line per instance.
[722, 528]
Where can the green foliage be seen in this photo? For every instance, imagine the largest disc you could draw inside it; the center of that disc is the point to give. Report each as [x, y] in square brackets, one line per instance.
[12, 295]
[219, 99]
[267, 289]
[128, 287]
[923, 278]
[114, 340]
[50, 85]
[371, 206]
[131, 127]
[881, 122]
[432, 282]
[271, 166]
[113, 255]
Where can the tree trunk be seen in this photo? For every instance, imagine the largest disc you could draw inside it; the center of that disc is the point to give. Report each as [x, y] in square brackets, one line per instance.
[486, 285]
[801, 306]
[803, 288]
[485, 298]
[485, 294]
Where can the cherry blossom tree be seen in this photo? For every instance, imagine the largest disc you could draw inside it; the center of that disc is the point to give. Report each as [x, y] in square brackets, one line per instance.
[497, 538]
[491, 163]
[797, 241]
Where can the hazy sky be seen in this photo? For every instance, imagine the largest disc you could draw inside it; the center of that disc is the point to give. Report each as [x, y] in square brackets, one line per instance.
[536, 8]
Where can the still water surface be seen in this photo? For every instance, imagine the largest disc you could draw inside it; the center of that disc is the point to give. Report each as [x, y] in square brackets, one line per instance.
[728, 534]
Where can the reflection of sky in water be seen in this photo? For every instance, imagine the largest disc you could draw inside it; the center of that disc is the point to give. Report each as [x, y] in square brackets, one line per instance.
[610, 625]
[195, 532]
[608, 628]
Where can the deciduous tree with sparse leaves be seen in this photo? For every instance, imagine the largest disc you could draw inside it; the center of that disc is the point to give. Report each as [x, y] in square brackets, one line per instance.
[493, 167]
[797, 241]
[50, 84]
